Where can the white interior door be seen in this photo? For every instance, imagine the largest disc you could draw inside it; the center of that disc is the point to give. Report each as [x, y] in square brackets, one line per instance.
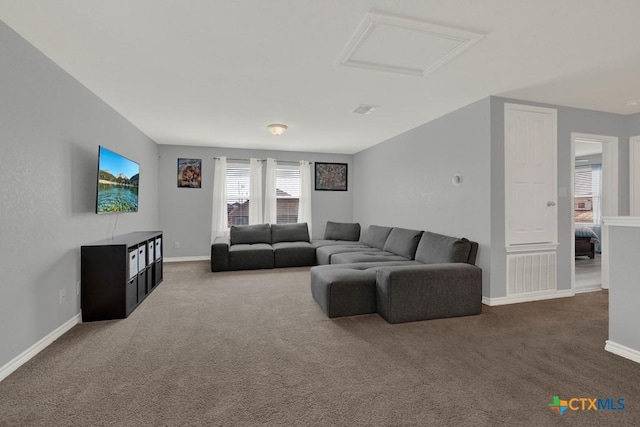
[531, 175]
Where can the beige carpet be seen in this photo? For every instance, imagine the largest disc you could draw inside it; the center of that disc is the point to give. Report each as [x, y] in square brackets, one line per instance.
[253, 348]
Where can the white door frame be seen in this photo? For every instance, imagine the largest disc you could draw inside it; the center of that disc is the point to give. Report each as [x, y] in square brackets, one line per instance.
[634, 176]
[609, 196]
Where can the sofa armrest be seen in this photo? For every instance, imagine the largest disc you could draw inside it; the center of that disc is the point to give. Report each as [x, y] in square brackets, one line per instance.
[220, 254]
[430, 291]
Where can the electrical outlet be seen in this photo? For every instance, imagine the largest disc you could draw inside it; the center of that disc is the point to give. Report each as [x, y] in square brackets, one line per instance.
[63, 296]
[78, 288]
[176, 245]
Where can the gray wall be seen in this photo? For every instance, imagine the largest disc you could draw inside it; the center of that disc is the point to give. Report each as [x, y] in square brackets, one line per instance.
[406, 181]
[50, 129]
[624, 293]
[569, 120]
[633, 124]
[185, 213]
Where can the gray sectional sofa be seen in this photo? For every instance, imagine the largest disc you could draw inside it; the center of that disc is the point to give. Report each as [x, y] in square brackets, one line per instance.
[403, 275]
[251, 247]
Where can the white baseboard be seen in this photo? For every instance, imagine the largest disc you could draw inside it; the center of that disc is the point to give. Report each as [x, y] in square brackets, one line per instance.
[584, 290]
[538, 296]
[187, 258]
[622, 350]
[26, 355]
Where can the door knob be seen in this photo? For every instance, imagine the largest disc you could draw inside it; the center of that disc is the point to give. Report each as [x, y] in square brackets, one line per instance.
[551, 203]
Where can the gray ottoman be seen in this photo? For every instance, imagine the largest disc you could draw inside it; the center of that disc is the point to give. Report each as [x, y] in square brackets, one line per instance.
[344, 291]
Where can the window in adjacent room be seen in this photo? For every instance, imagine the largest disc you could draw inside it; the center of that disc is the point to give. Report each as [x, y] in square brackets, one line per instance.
[287, 193]
[238, 194]
[583, 202]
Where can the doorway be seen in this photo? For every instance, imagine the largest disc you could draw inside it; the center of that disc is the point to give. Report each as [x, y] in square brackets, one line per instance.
[594, 189]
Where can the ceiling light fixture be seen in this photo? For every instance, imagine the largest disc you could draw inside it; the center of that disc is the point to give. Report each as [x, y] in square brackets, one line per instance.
[365, 109]
[277, 129]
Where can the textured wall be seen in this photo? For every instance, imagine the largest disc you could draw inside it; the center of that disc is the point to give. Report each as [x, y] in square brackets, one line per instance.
[185, 213]
[50, 129]
[406, 180]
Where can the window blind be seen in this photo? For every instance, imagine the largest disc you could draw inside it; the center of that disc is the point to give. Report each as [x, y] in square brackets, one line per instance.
[288, 182]
[288, 194]
[238, 194]
[583, 186]
[237, 184]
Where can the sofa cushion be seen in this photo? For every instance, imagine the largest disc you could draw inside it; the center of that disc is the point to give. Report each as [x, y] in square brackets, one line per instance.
[249, 234]
[342, 231]
[324, 253]
[376, 235]
[403, 242]
[293, 254]
[298, 232]
[318, 243]
[365, 256]
[250, 257]
[436, 248]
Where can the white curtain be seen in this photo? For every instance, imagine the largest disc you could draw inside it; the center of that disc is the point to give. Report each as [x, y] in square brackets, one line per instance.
[255, 191]
[219, 225]
[596, 193]
[270, 196]
[304, 206]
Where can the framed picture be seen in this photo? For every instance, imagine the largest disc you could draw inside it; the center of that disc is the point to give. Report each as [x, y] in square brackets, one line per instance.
[189, 173]
[331, 176]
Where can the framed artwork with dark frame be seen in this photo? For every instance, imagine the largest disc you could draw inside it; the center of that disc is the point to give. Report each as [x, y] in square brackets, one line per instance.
[189, 173]
[331, 176]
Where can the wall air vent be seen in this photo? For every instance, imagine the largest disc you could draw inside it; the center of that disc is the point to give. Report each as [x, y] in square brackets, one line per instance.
[365, 109]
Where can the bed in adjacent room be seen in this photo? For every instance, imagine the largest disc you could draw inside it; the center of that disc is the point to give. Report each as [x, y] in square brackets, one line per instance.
[586, 241]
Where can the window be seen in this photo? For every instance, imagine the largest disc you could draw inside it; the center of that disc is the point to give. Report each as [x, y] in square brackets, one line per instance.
[287, 194]
[238, 194]
[583, 182]
[583, 202]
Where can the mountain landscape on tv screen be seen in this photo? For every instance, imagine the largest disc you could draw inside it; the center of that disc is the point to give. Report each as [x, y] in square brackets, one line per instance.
[117, 193]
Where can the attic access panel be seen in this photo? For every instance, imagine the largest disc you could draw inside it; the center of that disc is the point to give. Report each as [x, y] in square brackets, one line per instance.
[401, 45]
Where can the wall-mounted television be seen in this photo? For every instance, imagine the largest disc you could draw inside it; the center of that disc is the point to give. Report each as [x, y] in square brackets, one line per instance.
[117, 183]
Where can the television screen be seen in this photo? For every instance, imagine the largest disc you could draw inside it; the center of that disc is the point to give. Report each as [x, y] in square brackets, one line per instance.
[118, 179]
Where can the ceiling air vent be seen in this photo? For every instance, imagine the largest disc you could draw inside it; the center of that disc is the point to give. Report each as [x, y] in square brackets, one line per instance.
[365, 109]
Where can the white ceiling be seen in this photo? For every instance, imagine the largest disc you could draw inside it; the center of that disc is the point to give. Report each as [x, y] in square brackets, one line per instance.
[217, 72]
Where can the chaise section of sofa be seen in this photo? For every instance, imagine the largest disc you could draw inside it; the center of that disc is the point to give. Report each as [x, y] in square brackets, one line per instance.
[413, 275]
[428, 291]
[348, 289]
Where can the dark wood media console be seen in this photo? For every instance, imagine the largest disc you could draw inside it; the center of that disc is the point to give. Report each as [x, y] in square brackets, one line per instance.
[117, 274]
